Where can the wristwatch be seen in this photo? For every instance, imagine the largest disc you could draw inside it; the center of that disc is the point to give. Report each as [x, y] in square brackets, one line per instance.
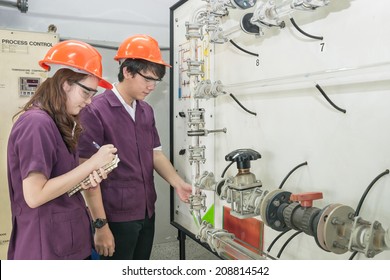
[99, 223]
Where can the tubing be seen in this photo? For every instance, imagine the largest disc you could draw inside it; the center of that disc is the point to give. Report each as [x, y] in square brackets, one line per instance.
[303, 32]
[328, 99]
[228, 249]
[276, 239]
[357, 212]
[243, 50]
[288, 175]
[287, 241]
[242, 106]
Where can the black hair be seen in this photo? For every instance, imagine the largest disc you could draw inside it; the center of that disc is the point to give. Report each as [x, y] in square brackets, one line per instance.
[133, 66]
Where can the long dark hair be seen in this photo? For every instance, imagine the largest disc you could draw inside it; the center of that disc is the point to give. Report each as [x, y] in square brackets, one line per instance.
[51, 98]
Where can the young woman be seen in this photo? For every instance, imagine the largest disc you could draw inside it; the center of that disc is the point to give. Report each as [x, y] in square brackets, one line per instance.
[43, 160]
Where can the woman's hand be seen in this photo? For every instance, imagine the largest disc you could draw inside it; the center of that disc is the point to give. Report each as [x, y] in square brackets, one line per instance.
[103, 156]
[95, 178]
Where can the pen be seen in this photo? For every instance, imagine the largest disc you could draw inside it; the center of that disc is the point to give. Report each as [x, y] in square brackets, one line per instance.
[96, 145]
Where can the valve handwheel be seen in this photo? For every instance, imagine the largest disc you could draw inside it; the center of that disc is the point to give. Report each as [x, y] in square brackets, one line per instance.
[306, 199]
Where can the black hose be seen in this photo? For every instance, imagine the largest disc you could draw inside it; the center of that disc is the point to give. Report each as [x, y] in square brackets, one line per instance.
[303, 32]
[226, 168]
[276, 239]
[241, 49]
[353, 255]
[242, 106]
[328, 99]
[288, 175]
[287, 241]
[367, 190]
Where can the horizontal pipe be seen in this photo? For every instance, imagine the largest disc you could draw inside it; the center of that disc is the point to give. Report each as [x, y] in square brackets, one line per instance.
[21, 5]
[362, 74]
[229, 249]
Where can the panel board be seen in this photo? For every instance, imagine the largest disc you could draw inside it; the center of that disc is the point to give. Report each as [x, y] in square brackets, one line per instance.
[19, 75]
[294, 122]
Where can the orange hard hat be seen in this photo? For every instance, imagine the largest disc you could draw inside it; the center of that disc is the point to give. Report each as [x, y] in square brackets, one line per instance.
[140, 47]
[78, 55]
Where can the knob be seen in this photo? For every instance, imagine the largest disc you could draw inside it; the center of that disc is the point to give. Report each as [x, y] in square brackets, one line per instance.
[306, 199]
[242, 157]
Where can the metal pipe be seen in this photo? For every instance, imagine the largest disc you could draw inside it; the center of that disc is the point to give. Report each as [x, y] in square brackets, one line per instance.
[229, 249]
[21, 5]
[227, 245]
[342, 76]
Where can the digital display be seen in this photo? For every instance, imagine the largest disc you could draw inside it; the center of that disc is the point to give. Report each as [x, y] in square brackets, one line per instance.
[27, 86]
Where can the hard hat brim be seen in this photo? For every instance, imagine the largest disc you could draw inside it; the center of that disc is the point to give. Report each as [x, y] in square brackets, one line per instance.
[105, 84]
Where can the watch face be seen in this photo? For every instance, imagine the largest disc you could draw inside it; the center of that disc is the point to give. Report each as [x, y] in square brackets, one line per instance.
[99, 223]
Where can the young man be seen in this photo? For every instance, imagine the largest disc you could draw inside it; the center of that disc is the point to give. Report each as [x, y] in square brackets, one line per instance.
[123, 206]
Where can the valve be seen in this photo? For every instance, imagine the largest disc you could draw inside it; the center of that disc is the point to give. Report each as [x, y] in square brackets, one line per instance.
[301, 216]
[243, 189]
[368, 238]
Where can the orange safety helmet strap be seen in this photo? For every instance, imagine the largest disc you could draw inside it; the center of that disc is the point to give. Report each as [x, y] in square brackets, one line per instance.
[140, 47]
[76, 54]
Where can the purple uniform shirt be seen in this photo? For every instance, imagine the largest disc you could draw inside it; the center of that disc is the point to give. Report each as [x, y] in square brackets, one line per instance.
[60, 228]
[129, 191]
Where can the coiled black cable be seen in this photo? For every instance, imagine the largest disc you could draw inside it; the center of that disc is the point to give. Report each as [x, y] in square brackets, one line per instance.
[303, 32]
[241, 49]
[276, 239]
[328, 99]
[287, 241]
[226, 168]
[353, 255]
[358, 208]
[242, 106]
[288, 175]
[367, 190]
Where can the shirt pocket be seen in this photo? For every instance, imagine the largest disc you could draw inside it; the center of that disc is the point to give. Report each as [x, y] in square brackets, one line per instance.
[123, 196]
[70, 232]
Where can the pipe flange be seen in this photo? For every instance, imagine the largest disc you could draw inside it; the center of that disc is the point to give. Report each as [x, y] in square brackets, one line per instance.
[319, 226]
[270, 206]
[337, 229]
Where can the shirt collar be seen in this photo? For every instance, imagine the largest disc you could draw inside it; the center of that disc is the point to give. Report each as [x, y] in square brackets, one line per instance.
[116, 92]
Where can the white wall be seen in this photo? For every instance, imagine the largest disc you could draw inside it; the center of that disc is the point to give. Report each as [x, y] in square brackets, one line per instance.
[98, 20]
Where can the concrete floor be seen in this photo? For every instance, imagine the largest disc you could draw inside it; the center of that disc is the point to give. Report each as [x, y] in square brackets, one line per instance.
[170, 251]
